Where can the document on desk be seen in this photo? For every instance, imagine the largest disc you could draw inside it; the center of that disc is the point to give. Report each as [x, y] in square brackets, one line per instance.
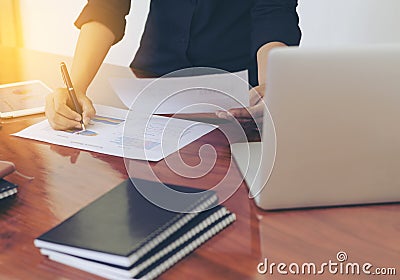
[193, 94]
[122, 133]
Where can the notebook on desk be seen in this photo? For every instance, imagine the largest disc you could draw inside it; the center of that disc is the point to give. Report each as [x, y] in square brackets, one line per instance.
[125, 235]
[336, 115]
[7, 189]
[168, 252]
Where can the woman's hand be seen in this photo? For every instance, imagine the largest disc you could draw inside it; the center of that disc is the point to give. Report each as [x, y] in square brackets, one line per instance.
[252, 113]
[61, 116]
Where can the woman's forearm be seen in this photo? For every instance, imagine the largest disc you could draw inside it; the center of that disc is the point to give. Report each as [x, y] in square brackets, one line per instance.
[95, 40]
[262, 60]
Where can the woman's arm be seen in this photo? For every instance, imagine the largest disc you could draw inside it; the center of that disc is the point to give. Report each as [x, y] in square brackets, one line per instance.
[95, 40]
[102, 24]
[275, 23]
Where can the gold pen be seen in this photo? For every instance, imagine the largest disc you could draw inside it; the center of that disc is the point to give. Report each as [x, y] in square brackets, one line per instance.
[71, 92]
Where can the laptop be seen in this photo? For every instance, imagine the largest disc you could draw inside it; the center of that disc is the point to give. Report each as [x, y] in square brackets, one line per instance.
[336, 117]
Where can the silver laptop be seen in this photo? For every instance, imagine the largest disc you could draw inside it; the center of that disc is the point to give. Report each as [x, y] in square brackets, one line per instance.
[336, 114]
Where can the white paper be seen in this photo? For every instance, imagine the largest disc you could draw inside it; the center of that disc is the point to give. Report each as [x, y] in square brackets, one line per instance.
[194, 94]
[123, 133]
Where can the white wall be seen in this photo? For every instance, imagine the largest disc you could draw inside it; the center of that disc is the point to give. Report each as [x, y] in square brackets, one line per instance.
[341, 22]
[48, 24]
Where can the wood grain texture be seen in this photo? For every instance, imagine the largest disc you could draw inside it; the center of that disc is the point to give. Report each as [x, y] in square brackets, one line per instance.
[68, 179]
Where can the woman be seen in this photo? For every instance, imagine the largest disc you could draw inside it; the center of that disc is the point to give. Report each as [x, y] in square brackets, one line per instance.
[231, 35]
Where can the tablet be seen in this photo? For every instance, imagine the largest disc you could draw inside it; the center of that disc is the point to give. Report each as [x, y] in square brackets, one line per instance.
[22, 98]
[7, 189]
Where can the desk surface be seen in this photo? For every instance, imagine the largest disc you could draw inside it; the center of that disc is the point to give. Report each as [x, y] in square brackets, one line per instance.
[67, 179]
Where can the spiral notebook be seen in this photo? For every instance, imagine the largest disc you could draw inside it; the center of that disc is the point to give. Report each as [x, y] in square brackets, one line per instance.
[162, 257]
[7, 189]
[122, 226]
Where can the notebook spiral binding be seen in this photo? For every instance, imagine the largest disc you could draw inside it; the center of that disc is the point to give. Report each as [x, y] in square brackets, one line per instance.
[7, 189]
[214, 217]
[181, 254]
[165, 233]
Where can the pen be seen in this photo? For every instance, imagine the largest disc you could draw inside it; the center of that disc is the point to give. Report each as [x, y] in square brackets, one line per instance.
[71, 91]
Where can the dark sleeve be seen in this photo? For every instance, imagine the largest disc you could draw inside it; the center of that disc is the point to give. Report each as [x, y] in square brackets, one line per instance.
[274, 21]
[111, 13]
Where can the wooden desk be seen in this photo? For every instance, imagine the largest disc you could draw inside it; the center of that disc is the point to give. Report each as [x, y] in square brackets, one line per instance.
[68, 179]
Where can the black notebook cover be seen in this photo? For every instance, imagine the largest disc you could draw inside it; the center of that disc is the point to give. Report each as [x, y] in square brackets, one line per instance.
[121, 226]
[184, 249]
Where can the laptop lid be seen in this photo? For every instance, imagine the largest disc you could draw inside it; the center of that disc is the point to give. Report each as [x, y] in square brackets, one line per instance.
[336, 114]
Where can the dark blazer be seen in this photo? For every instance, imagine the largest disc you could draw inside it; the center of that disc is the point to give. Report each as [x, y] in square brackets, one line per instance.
[224, 34]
